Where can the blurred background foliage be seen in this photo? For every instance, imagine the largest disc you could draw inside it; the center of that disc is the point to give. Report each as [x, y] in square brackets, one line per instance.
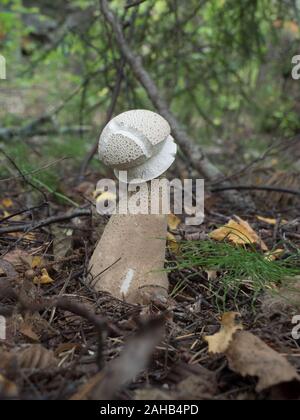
[223, 65]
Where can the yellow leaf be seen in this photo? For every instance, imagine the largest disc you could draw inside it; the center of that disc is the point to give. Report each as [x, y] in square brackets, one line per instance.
[173, 245]
[36, 262]
[44, 278]
[219, 342]
[173, 221]
[239, 232]
[267, 220]
[274, 255]
[7, 203]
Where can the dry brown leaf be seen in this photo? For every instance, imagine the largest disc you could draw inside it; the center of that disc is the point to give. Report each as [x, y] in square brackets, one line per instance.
[17, 257]
[29, 236]
[249, 355]
[173, 221]
[239, 232]
[36, 357]
[26, 330]
[65, 347]
[219, 342]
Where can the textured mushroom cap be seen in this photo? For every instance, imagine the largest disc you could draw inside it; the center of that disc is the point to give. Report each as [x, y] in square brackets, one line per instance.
[133, 139]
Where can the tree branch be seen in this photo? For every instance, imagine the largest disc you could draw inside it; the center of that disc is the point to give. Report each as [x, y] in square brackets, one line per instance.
[197, 158]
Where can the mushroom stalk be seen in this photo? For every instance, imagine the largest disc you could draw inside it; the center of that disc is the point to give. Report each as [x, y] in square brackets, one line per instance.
[129, 258]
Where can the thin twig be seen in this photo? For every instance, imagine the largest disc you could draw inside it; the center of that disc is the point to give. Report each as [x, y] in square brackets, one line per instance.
[29, 227]
[134, 4]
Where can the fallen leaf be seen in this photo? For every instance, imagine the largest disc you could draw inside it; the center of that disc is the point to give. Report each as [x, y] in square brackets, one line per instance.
[271, 221]
[267, 220]
[36, 262]
[274, 255]
[239, 232]
[44, 278]
[6, 214]
[6, 203]
[17, 257]
[172, 243]
[26, 330]
[249, 355]
[219, 342]
[173, 221]
[62, 348]
[36, 357]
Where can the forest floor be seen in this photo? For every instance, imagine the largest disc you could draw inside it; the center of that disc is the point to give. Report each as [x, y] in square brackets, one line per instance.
[60, 333]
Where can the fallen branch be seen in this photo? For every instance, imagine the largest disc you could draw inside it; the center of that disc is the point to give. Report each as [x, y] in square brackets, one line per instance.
[197, 158]
[39, 305]
[29, 227]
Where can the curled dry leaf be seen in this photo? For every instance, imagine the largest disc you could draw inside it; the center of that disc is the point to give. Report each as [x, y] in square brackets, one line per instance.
[249, 355]
[219, 342]
[44, 278]
[27, 331]
[36, 357]
[239, 232]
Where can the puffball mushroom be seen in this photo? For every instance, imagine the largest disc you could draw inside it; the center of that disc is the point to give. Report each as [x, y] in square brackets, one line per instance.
[129, 258]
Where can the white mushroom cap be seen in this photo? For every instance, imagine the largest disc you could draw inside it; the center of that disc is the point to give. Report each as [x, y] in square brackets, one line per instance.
[138, 142]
